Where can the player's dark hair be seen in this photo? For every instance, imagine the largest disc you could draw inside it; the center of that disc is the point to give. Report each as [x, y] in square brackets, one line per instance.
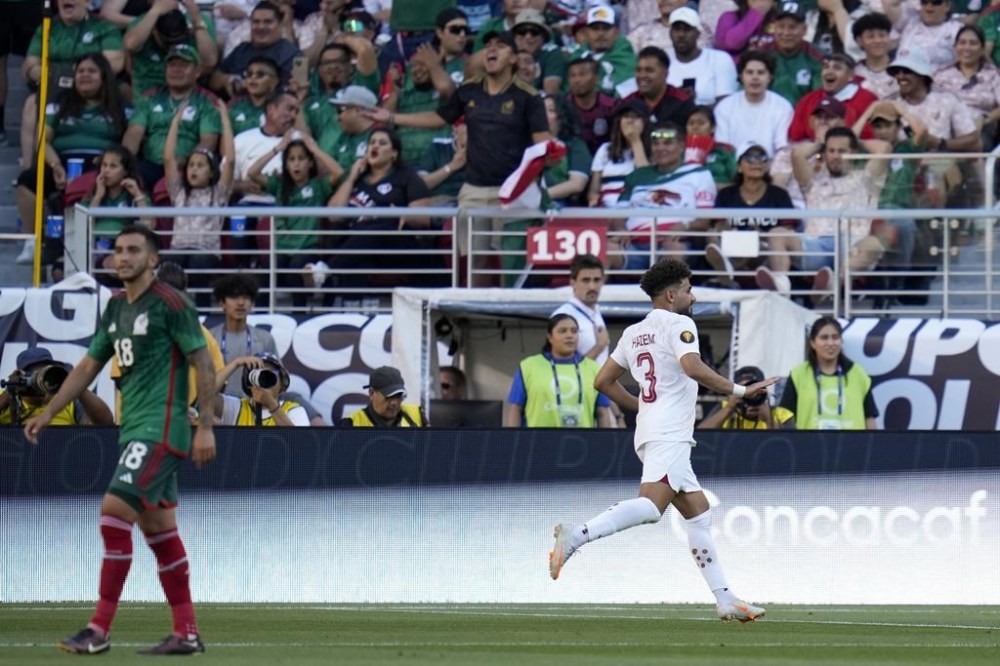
[582, 262]
[170, 272]
[234, 286]
[554, 321]
[663, 275]
[152, 240]
[657, 53]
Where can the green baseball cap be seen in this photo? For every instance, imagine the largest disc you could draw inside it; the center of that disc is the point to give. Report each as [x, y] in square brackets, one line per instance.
[184, 52]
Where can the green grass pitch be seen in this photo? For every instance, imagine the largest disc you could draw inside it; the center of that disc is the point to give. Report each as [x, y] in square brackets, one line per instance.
[446, 634]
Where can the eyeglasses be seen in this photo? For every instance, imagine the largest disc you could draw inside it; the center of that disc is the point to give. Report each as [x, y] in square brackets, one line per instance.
[936, 3]
[755, 158]
[663, 134]
[256, 74]
[531, 30]
[458, 29]
[332, 63]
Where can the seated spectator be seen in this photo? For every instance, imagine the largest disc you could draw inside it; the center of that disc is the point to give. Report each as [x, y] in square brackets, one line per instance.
[664, 102]
[612, 52]
[84, 121]
[837, 82]
[532, 35]
[594, 108]
[356, 126]
[203, 180]
[24, 399]
[73, 33]
[319, 28]
[266, 40]
[148, 127]
[264, 379]
[527, 69]
[300, 184]
[665, 182]
[281, 111]
[289, 27]
[756, 114]
[386, 409]
[829, 391]
[555, 389]
[753, 189]
[261, 80]
[657, 31]
[748, 413]
[501, 23]
[928, 30]
[872, 32]
[748, 27]
[122, 12]
[228, 15]
[380, 179]
[414, 92]
[989, 21]
[718, 157]
[347, 60]
[616, 159]
[150, 37]
[565, 181]
[452, 383]
[797, 63]
[706, 75]
[236, 294]
[832, 30]
[972, 78]
[442, 167]
[451, 37]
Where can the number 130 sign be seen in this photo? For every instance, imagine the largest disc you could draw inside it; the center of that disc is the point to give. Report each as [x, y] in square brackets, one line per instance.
[557, 243]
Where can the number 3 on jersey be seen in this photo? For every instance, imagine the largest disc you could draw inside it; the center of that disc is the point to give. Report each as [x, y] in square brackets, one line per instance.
[647, 391]
[123, 350]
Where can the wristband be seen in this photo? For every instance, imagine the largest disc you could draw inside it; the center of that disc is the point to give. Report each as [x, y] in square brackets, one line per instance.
[447, 169]
[739, 390]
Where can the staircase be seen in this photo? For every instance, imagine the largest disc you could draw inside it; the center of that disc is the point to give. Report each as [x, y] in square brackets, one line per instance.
[11, 273]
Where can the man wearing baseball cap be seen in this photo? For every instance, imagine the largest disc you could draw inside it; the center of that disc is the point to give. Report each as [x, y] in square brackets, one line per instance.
[612, 52]
[385, 408]
[352, 102]
[797, 63]
[22, 399]
[150, 36]
[837, 83]
[532, 35]
[706, 74]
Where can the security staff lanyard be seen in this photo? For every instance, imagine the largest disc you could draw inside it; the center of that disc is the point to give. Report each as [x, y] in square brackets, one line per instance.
[840, 392]
[223, 345]
[584, 313]
[558, 386]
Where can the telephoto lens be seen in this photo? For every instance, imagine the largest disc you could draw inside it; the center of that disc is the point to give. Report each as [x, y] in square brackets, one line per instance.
[263, 378]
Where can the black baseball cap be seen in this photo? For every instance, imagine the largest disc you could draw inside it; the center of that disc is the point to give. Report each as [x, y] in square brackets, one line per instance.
[504, 36]
[386, 380]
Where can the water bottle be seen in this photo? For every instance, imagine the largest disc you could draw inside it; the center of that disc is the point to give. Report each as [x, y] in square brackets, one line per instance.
[238, 226]
[74, 168]
[54, 226]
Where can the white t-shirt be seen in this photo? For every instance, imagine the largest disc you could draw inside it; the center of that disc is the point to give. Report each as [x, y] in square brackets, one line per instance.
[231, 411]
[714, 74]
[588, 320]
[651, 350]
[765, 123]
[612, 173]
[251, 145]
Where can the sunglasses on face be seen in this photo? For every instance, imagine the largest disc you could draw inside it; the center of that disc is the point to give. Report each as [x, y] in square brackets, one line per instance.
[332, 63]
[755, 158]
[458, 29]
[256, 74]
[936, 3]
[663, 135]
[533, 32]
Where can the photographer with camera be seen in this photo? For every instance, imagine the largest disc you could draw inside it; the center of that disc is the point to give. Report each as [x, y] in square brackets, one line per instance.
[754, 413]
[32, 385]
[264, 380]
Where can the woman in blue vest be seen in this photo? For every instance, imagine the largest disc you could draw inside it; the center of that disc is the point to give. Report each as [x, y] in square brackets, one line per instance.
[828, 391]
[555, 389]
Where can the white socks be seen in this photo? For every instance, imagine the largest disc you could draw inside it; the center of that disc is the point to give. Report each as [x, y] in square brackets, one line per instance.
[616, 518]
[702, 548]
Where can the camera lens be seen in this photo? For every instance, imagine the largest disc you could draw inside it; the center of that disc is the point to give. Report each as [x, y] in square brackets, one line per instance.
[263, 378]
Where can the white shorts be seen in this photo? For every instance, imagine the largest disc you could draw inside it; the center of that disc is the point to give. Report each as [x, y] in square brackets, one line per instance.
[670, 461]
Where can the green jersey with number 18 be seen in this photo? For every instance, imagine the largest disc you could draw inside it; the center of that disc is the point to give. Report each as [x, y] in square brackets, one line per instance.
[151, 339]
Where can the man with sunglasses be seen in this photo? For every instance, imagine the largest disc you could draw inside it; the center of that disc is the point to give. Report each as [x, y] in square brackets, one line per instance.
[533, 36]
[260, 81]
[150, 36]
[385, 408]
[929, 30]
[502, 23]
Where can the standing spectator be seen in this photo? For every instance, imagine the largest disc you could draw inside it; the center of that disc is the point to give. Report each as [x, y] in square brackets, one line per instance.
[586, 278]
[385, 408]
[797, 64]
[872, 32]
[281, 111]
[261, 80]
[154, 388]
[73, 33]
[929, 30]
[148, 127]
[300, 184]
[616, 159]
[452, 382]
[837, 82]
[266, 40]
[532, 35]
[829, 391]
[612, 52]
[662, 354]
[664, 102]
[236, 294]
[442, 167]
[504, 118]
[500, 23]
[707, 75]
[756, 114]
[204, 180]
[566, 180]
[24, 17]
[745, 28]
[594, 108]
[150, 37]
[748, 413]
[555, 389]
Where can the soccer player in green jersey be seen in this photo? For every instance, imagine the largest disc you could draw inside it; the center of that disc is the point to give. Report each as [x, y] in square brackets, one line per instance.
[151, 329]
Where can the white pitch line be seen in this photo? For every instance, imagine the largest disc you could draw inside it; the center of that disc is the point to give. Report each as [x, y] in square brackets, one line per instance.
[495, 644]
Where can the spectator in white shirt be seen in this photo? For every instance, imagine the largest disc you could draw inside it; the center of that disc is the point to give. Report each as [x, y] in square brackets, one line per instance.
[755, 114]
[706, 74]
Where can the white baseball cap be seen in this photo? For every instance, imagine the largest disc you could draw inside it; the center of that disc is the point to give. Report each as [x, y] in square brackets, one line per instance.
[687, 16]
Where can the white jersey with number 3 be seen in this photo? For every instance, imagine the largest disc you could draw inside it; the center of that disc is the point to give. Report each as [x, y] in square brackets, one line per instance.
[651, 351]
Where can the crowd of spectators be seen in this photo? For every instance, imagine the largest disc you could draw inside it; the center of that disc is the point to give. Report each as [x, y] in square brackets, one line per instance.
[661, 104]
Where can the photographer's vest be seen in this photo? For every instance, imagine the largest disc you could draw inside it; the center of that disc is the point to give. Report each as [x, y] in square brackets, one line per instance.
[836, 403]
[559, 394]
[248, 417]
[409, 417]
[66, 416]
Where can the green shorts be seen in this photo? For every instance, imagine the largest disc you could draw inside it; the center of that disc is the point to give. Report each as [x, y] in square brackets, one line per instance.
[146, 476]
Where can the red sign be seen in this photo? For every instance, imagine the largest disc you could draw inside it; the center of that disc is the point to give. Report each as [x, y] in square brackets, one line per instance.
[556, 243]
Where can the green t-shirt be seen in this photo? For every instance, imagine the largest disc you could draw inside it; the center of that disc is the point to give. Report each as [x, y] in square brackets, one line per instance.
[106, 228]
[416, 15]
[721, 164]
[92, 131]
[243, 115]
[440, 152]
[371, 81]
[316, 192]
[151, 339]
[323, 122]
[577, 158]
[551, 64]
[414, 100]
[898, 190]
[990, 23]
[156, 112]
[349, 148]
[149, 65]
[69, 42]
[796, 75]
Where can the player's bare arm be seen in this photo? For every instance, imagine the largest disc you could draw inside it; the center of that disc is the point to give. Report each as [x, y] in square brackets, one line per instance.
[97, 411]
[203, 444]
[76, 382]
[607, 383]
[696, 369]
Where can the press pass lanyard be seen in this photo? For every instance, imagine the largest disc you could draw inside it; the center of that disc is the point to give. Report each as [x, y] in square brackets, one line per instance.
[558, 386]
[583, 312]
[223, 345]
[840, 392]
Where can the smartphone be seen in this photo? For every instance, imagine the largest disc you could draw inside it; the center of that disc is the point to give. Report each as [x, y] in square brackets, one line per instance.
[688, 85]
[300, 71]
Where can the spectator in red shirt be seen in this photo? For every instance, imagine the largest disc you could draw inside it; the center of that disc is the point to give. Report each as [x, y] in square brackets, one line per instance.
[838, 81]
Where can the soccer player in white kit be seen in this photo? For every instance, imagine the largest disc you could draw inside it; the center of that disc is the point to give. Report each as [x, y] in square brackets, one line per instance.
[663, 356]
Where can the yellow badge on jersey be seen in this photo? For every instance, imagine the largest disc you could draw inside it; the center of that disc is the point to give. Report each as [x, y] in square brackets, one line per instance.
[507, 107]
[687, 336]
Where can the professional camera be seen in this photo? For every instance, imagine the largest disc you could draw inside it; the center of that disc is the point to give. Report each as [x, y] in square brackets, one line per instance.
[40, 382]
[262, 378]
[745, 376]
[268, 377]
